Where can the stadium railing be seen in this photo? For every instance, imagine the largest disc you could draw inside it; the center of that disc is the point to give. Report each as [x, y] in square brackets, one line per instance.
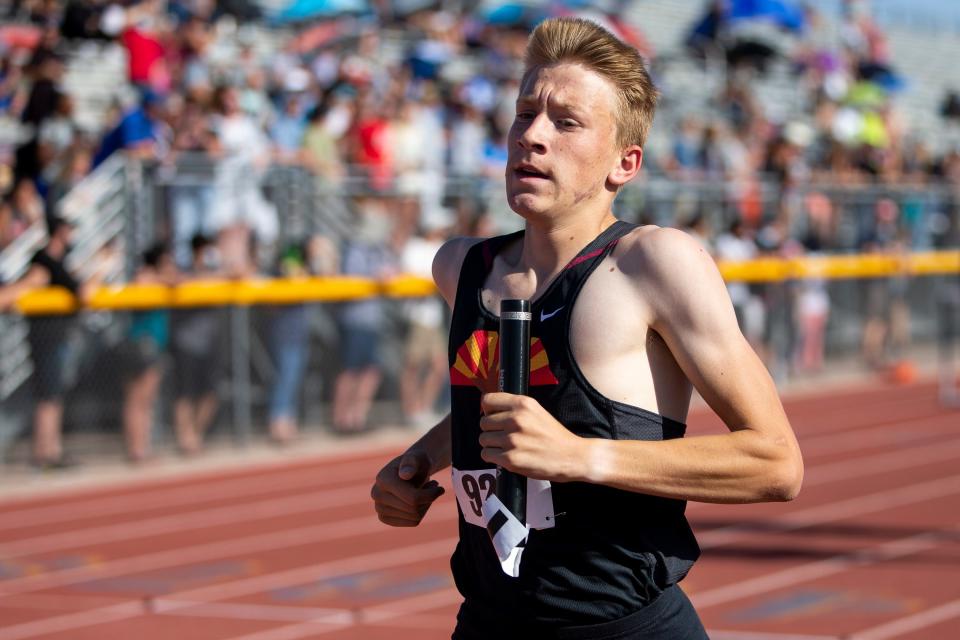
[920, 279]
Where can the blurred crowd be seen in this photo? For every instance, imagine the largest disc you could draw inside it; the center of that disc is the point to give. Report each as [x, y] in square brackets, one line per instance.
[395, 106]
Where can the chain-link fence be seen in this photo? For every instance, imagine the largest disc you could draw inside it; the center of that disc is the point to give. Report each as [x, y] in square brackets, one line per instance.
[166, 373]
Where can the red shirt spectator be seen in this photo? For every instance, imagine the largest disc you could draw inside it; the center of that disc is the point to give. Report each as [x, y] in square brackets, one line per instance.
[372, 151]
[145, 52]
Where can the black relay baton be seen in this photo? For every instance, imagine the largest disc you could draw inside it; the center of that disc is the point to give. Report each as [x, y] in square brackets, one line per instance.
[515, 319]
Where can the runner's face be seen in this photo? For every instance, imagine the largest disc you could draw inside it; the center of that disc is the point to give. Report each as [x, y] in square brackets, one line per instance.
[562, 145]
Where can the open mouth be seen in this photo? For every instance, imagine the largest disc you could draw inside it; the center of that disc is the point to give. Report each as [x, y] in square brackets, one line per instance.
[529, 172]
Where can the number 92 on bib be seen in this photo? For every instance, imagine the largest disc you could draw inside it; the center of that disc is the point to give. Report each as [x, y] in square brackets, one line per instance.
[474, 486]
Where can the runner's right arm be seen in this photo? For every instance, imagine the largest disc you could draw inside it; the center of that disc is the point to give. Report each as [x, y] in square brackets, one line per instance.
[403, 490]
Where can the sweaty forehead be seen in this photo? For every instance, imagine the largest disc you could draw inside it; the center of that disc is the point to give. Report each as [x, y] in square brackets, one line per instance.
[568, 85]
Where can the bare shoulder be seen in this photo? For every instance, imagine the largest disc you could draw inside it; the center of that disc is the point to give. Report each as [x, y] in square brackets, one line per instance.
[671, 266]
[664, 249]
[447, 264]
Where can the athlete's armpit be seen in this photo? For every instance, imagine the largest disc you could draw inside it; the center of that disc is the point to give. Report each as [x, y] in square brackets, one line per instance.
[447, 264]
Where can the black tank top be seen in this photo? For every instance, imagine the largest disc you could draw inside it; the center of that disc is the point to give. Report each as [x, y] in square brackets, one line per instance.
[610, 551]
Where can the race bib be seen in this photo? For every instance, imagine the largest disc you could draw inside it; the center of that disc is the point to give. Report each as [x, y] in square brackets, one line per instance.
[476, 495]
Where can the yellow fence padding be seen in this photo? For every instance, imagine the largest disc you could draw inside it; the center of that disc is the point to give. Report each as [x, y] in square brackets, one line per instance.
[197, 293]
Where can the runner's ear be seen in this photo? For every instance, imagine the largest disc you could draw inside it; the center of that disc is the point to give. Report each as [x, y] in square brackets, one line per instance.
[627, 166]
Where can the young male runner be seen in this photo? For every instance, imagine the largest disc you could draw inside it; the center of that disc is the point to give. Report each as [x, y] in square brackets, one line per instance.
[626, 320]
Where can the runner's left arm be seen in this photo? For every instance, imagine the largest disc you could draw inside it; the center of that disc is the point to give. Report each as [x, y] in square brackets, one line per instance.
[758, 460]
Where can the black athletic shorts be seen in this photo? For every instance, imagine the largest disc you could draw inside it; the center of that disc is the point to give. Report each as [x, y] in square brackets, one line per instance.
[669, 617]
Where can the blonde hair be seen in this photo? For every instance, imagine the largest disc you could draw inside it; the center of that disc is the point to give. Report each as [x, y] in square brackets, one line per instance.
[575, 40]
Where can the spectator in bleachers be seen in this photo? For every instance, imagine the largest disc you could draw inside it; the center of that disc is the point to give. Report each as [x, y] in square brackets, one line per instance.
[197, 357]
[289, 339]
[288, 131]
[8, 225]
[195, 74]
[52, 346]
[239, 214]
[47, 74]
[75, 165]
[369, 142]
[736, 245]
[146, 35]
[361, 323]
[710, 156]
[812, 312]
[449, 97]
[684, 160]
[949, 108]
[705, 38]
[142, 356]
[39, 12]
[12, 96]
[81, 20]
[139, 133]
[467, 135]
[425, 366]
[10, 293]
[56, 135]
[407, 144]
[26, 205]
[194, 140]
[886, 332]
[699, 227]
[321, 153]
[777, 346]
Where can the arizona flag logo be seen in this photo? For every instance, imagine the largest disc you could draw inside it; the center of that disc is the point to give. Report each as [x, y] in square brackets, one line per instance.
[478, 363]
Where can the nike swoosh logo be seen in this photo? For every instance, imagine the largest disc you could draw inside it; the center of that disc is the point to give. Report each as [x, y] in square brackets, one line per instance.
[547, 316]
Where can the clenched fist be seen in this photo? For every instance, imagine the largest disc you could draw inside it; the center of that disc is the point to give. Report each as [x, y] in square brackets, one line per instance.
[519, 435]
[403, 491]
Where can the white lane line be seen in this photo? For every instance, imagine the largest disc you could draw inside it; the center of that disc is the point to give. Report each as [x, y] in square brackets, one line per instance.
[316, 500]
[903, 458]
[366, 616]
[294, 632]
[425, 621]
[237, 588]
[291, 505]
[396, 608]
[211, 487]
[886, 493]
[205, 552]
[248, 611]
[910, 623]
[182, 495]
[73, 621]
[60, 602]
[839, 563]
[306, 535]
[814, 421]
[839, 510]
[883, 434]
[848, 508]
[716, 634]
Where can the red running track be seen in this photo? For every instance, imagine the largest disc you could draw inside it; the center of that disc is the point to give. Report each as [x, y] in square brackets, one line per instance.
[869, 551]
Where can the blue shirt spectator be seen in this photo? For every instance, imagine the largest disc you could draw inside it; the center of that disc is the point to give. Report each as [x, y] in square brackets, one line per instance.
[137, 129]
[288, 130]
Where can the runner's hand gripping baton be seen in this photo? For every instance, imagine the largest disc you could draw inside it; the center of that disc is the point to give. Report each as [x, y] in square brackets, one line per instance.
[515, 319]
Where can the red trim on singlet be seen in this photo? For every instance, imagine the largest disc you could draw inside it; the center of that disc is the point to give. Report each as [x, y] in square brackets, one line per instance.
[591, 255]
